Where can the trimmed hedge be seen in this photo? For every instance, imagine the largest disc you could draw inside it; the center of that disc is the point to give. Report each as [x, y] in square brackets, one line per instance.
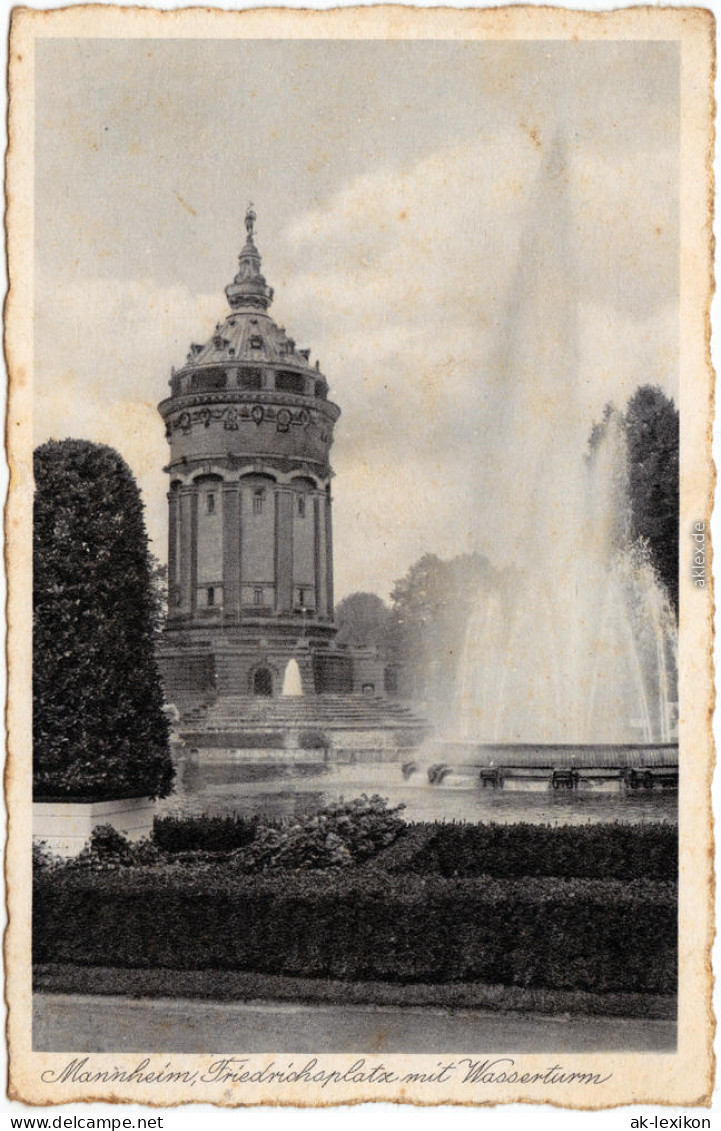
[600, 851]
[601, 936]
[204, 834]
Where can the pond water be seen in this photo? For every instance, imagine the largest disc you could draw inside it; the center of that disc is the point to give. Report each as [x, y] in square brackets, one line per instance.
[221, 782]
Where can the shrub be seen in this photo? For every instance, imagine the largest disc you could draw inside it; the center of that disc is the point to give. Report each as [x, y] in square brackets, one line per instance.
[602, 936]
[208, 834]
[108, 844]
[313, 740]
[109, 849]
[98, 726]
[338, 836]
[43, 859]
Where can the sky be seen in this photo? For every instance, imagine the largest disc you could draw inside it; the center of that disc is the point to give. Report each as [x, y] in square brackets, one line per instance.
[427, 212]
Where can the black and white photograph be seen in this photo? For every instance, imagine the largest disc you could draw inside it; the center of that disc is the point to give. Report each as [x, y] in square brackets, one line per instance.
[359, 556]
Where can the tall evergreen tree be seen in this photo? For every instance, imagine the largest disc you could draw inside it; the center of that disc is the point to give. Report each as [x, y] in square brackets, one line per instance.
[98, 725]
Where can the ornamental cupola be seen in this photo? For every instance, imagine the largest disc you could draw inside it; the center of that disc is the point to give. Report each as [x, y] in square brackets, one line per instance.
[248, 350]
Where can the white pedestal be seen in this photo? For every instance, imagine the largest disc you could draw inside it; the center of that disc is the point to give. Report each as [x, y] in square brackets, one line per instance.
[65, 826]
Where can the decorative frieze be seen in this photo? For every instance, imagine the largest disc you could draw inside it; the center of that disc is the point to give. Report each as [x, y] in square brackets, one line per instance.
[232, 416]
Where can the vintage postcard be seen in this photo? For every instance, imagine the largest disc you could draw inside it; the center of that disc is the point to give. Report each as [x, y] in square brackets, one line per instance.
[358, 545]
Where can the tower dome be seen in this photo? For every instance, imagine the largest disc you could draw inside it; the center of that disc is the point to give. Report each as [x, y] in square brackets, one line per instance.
[250, 557]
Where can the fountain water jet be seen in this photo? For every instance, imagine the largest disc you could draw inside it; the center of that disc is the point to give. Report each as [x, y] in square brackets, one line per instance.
[292, 683]
[577, 644]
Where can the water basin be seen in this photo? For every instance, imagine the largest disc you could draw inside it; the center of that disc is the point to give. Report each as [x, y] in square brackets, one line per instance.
[278, 786]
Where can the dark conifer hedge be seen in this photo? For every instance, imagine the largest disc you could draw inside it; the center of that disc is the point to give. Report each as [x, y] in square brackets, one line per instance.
[98, 726]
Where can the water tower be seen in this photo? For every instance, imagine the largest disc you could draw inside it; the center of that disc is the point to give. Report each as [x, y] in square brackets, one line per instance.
[250, 551]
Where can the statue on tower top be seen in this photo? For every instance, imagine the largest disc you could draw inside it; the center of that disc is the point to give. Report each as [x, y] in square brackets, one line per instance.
[250, 218]
[249, 288]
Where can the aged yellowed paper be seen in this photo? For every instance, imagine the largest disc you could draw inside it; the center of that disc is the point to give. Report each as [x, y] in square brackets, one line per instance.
[494, 227]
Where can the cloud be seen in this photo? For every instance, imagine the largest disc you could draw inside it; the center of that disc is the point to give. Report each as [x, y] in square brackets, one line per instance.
[103, 354]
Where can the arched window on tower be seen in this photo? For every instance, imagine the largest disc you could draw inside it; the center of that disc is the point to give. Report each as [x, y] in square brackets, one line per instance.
[263, 683]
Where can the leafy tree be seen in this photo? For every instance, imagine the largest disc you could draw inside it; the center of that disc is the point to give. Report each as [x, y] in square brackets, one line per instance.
[158, 594]
[363, 620]
[652, 430]
[418, 600]
[651, 425]
[98, 726]
[598, 429]
[431, 608]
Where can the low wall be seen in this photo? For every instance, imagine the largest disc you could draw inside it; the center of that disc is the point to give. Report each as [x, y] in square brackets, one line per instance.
[553, 756]
[328, 737]
[331, 756]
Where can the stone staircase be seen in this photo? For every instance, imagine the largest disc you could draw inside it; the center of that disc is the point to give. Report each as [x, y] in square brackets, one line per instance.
[343, 720]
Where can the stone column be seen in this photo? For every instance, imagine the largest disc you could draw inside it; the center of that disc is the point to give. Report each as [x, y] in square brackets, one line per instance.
[329, 554]
[321, 588]
[173, 578]
[193, 551]
[188, 555]
[283, 549]
[231, 551]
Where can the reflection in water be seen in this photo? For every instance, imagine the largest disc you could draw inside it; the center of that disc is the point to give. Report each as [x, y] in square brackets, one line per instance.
[221, 784]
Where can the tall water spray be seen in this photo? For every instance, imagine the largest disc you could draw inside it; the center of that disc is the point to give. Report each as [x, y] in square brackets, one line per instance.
[577, 644]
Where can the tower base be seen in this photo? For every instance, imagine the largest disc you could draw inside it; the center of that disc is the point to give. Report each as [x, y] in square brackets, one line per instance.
[201, 667]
